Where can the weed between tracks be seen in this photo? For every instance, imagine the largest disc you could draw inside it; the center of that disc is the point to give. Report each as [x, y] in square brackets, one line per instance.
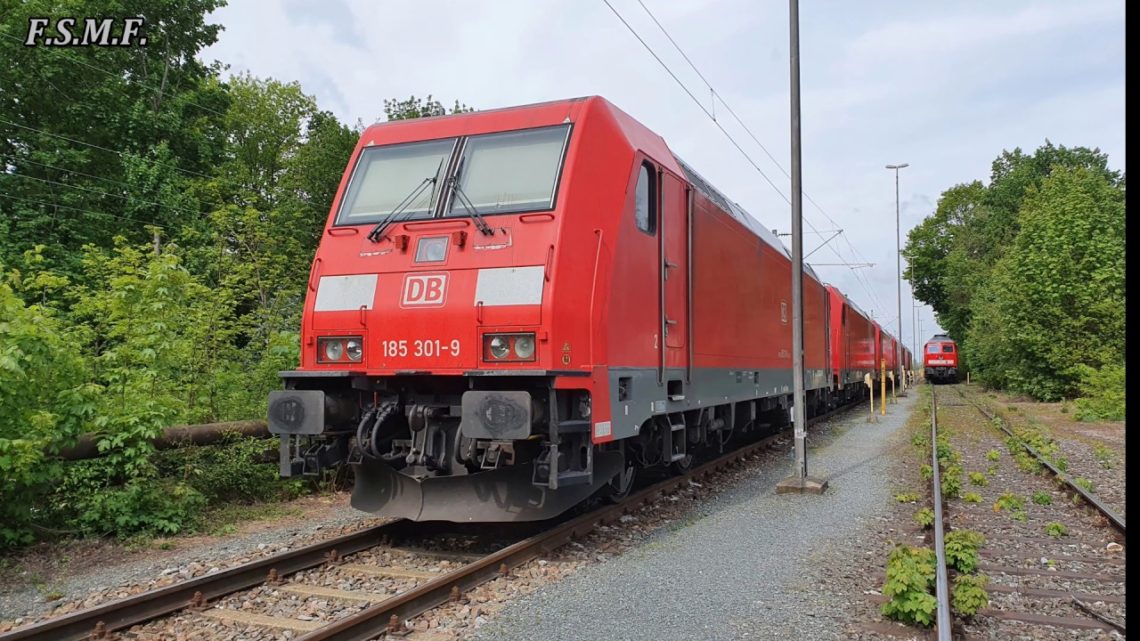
[910, 572]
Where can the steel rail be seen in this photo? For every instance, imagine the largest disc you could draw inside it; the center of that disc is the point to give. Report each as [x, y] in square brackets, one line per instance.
[123, 613]
[1115, 519]
[942, 589]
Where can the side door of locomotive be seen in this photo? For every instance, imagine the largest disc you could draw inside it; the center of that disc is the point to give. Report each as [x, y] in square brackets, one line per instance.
[675, 249]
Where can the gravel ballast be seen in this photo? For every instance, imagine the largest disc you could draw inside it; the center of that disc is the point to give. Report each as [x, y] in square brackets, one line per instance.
[743, 565]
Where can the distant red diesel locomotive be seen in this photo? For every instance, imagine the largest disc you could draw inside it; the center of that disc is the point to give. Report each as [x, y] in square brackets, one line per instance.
[940, 359]
[513, 309]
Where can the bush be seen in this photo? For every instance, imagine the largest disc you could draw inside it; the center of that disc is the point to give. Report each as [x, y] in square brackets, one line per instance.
[972, 497]
[969, 594]
[993, 455]
[925, 517]
[150, 507]
[979, 479]
[961, 548]
[951, 479]
[234, 471]
[1102, 393]
[1008, 501]
[1056, 530]
[910, 579]
[1041, 497]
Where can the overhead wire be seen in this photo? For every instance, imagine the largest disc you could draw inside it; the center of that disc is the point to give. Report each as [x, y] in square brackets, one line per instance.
[127, 198]
[717, 96]
[59, 50]
[106, 149]
[89, 211]
[731, 139]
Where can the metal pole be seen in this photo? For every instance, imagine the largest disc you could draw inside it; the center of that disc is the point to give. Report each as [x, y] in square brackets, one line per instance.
[898, 270]
[898, 261]
[799, 406]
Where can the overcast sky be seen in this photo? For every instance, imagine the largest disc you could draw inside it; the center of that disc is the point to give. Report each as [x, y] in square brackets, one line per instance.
[942, 86]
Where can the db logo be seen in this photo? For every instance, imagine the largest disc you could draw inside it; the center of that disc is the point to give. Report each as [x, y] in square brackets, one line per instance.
[424, 290]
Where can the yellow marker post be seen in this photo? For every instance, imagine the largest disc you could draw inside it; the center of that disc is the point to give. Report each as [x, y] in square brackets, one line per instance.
[967, 378]
[883, 386]
[870, 383]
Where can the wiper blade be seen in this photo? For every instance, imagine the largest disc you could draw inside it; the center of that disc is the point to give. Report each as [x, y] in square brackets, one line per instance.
[377, 232]
[471, 209]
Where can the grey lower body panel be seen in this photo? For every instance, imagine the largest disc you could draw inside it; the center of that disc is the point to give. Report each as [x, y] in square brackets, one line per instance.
[644, 396]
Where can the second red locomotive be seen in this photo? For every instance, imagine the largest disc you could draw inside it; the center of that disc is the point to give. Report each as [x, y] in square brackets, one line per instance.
[512, 310]
[940, 359]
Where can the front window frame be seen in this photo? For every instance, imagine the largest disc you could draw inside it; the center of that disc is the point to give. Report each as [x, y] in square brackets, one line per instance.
[448, 207]
[438, 192]
[443, 201]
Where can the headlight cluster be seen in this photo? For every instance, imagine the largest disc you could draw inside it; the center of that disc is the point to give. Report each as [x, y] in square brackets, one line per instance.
[340, 349]
[508, 347]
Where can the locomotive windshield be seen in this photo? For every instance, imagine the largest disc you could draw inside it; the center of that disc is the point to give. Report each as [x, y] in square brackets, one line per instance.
[385, 176]
[510, 171]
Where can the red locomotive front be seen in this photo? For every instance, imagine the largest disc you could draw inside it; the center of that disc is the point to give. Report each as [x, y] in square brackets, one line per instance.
[940, 359]
[511, 310]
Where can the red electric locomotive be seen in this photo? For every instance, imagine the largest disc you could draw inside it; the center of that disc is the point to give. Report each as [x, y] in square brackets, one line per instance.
[940, 359]
[513, 309]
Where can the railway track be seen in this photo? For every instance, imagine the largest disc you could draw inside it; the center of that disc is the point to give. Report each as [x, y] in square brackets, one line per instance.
[941, 587]
[1114, 519]
[392, 583]
[1054, 567]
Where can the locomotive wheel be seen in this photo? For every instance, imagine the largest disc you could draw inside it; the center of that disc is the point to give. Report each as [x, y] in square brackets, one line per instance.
[618, 489]
[681, 466]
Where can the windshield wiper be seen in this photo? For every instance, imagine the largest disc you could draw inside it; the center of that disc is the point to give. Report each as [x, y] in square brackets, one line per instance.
[469, 206]
[377, 232]
[471, 209]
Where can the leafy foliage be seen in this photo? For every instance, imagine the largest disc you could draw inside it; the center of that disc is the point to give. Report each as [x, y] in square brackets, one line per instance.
[908, 586]
[1056, 530]
[961, 548]
[993, 455]
[1041, 497]
[924, 517]
[979, 479]
[1008, 501]
[1102, 393]
[972, 497]
[969, 594]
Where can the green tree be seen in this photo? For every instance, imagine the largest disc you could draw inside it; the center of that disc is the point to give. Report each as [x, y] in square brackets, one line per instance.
[1055, 301]
[71, 118]
[414, 107]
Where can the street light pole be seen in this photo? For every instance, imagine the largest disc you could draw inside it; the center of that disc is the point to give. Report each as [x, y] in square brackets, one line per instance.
[898, 261]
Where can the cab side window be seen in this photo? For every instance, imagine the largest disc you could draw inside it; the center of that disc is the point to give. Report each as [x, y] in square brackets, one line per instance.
[947, 348]
[645, 200]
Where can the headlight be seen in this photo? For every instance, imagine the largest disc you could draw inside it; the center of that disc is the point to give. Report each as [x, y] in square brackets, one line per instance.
[499, 347]
[524, 347]
[508, 347]
[354, 349]
[340, 349]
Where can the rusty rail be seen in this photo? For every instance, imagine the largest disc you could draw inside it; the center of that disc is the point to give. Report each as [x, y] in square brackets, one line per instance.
[123, 613]
[941, 585]
[1115, 519]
